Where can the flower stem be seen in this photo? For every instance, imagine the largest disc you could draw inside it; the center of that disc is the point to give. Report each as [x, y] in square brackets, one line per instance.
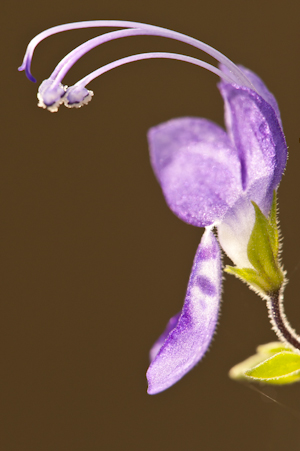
[279, 321]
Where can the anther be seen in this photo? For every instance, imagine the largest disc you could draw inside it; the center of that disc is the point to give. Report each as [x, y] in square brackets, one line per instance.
[51, 95]
[77, 96]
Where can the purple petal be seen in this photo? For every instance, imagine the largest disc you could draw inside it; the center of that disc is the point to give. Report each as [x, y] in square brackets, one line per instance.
[172, 323]
[259, 86]
[262, 90]
[256, 132]
[197, 167]
[186, 344]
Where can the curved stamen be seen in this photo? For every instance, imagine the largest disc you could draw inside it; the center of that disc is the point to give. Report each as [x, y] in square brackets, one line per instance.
[70, 59]
[76, 95]
[143, 56]
[236, 73]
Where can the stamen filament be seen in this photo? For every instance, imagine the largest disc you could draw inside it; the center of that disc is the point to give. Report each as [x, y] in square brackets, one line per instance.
[67, 62]
[143, 56]
[236, 73]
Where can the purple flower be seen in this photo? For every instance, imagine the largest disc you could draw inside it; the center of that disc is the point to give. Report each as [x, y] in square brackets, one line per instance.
[208, 176]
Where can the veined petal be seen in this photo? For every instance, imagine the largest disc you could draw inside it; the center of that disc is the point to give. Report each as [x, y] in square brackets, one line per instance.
[197, 167]
[255, 130]
[186, 344]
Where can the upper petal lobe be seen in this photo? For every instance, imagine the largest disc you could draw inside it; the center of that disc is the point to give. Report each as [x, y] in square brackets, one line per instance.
[197, 167]
[256, 132]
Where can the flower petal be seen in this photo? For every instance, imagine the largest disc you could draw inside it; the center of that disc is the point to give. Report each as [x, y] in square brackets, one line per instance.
[197, 167]
[186, 344]
[172, 323]
[235, 230]
[262, 90]
[259, 86]
[255, 130]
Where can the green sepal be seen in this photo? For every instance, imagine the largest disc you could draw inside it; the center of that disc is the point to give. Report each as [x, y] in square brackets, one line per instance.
[274, 226]
[266, 276]
[282, 368]
[250, 276]
[263, 249]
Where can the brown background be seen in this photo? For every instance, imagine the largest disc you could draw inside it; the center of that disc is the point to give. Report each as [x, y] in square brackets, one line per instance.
[94, 263]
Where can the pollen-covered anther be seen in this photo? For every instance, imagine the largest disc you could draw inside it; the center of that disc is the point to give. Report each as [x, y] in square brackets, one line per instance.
[51, 95]
[77, 96]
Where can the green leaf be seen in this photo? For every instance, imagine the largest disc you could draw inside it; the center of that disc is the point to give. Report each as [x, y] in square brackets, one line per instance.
[264, 352]
[273, 348]
[239, 371]
[281, 368]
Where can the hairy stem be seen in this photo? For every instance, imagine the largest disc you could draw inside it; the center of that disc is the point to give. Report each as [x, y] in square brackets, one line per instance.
[279, 321]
